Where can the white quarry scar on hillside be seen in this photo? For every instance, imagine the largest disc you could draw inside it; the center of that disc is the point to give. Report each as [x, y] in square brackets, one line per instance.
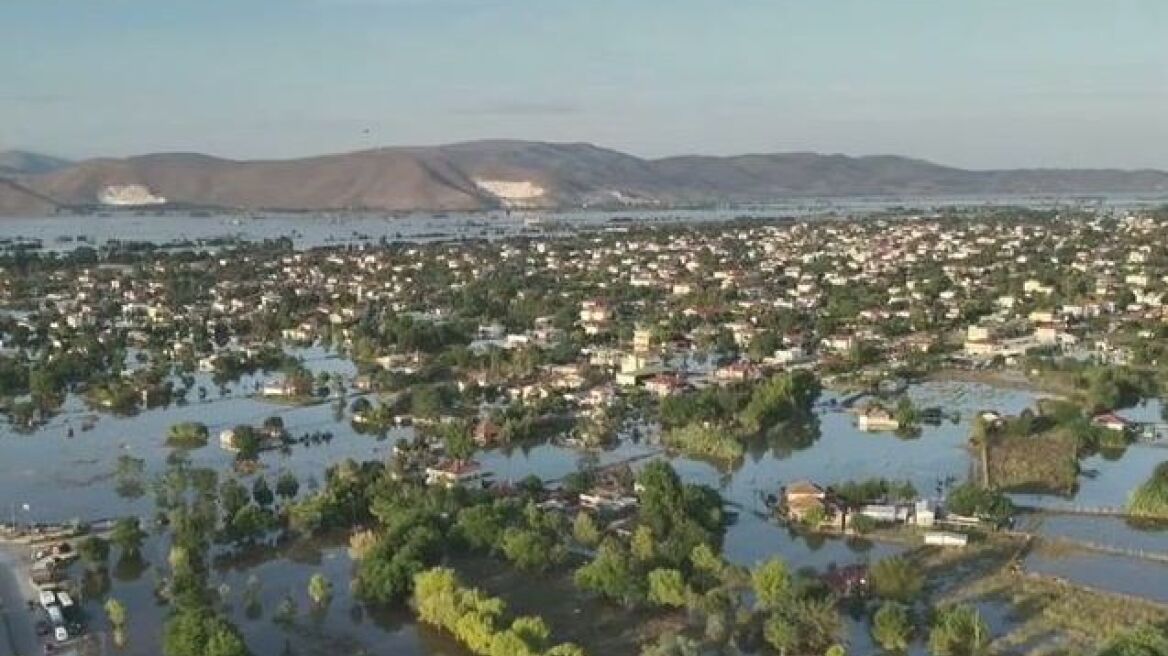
[520, 190]
[132, 194]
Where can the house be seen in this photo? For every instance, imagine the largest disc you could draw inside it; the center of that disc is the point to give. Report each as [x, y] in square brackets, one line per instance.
[803, 499]
[877, 418]
[665, 385]
[924, 513]
[886, 513]
[737, 372]
[1111, 421]
[456, 472]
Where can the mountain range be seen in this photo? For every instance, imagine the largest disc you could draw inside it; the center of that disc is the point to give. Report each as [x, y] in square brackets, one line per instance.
[500, 173]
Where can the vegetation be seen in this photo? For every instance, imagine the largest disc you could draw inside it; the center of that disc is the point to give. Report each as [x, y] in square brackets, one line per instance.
[1143, 641]
[896, 579]
[959, 631]
[892, 627]
[115, 611]
[187, 435]
[705, 441]
[1151, 498]
[480, 621]
[975, 501]
[875, 490]
[715, 422]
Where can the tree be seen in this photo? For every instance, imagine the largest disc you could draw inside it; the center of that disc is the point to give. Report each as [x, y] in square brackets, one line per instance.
[532, 550]
[116, 612]
[585, 531]
[959, 631]
[287, 486]
[320, 590]
[94, 550]
[195, 631]
[233, 496]
[772, 583]
[970, 499]
[458, 440]
[611, 574]
[533, 631]
[896, 579]
[892, 626]
[642, 546]
[667, 588]
[250, 523]
[262, 493]
[128, 536]
[802, 626]
[247, 443]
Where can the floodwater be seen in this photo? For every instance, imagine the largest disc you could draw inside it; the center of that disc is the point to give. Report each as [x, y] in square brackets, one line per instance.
[308, 230]
[62, 478]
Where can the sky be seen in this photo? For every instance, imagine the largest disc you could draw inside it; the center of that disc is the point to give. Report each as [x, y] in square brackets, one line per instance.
[972, 83]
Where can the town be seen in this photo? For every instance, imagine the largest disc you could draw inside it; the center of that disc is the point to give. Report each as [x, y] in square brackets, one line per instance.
[582, 407]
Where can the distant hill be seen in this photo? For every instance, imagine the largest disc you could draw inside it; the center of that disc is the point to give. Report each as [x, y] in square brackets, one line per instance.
[20, 162]
[500, 173]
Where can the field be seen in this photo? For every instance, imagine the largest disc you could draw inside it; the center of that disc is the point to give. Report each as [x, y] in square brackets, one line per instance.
[1042, 463]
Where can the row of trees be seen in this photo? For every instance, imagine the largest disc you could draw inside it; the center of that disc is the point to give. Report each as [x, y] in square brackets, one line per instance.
[479, 621]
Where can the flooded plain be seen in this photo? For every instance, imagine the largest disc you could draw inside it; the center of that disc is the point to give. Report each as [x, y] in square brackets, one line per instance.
[61, 478]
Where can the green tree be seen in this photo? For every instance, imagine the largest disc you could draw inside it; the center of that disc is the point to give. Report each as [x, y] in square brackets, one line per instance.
[320, 590]
[959, 631]
[481, 526]
[772, 583]
[642, 546]
[531, 550]
[128, 536]
[247, 443]
[116, 612]
[585, 531]
[802, 626]
[94, 550]
[262, 493]
[667, 588]
[892, 626]
[612, 574]
[233, 496]
[287, 487]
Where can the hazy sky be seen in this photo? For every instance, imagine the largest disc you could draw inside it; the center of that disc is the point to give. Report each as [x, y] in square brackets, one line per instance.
[977, 83]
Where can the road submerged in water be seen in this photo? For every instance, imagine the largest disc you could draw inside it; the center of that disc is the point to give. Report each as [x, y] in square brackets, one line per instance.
[16, 621]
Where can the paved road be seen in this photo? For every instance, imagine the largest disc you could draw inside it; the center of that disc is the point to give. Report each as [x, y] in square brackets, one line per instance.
[17, 632]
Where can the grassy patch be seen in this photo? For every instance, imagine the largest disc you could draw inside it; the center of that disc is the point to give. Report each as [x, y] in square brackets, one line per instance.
[1044, 463]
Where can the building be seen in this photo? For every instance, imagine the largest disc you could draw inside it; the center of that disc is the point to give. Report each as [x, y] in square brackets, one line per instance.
[946, 539]
[456, 472]
[877, 418]
[804, 499]
[1111, 421]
